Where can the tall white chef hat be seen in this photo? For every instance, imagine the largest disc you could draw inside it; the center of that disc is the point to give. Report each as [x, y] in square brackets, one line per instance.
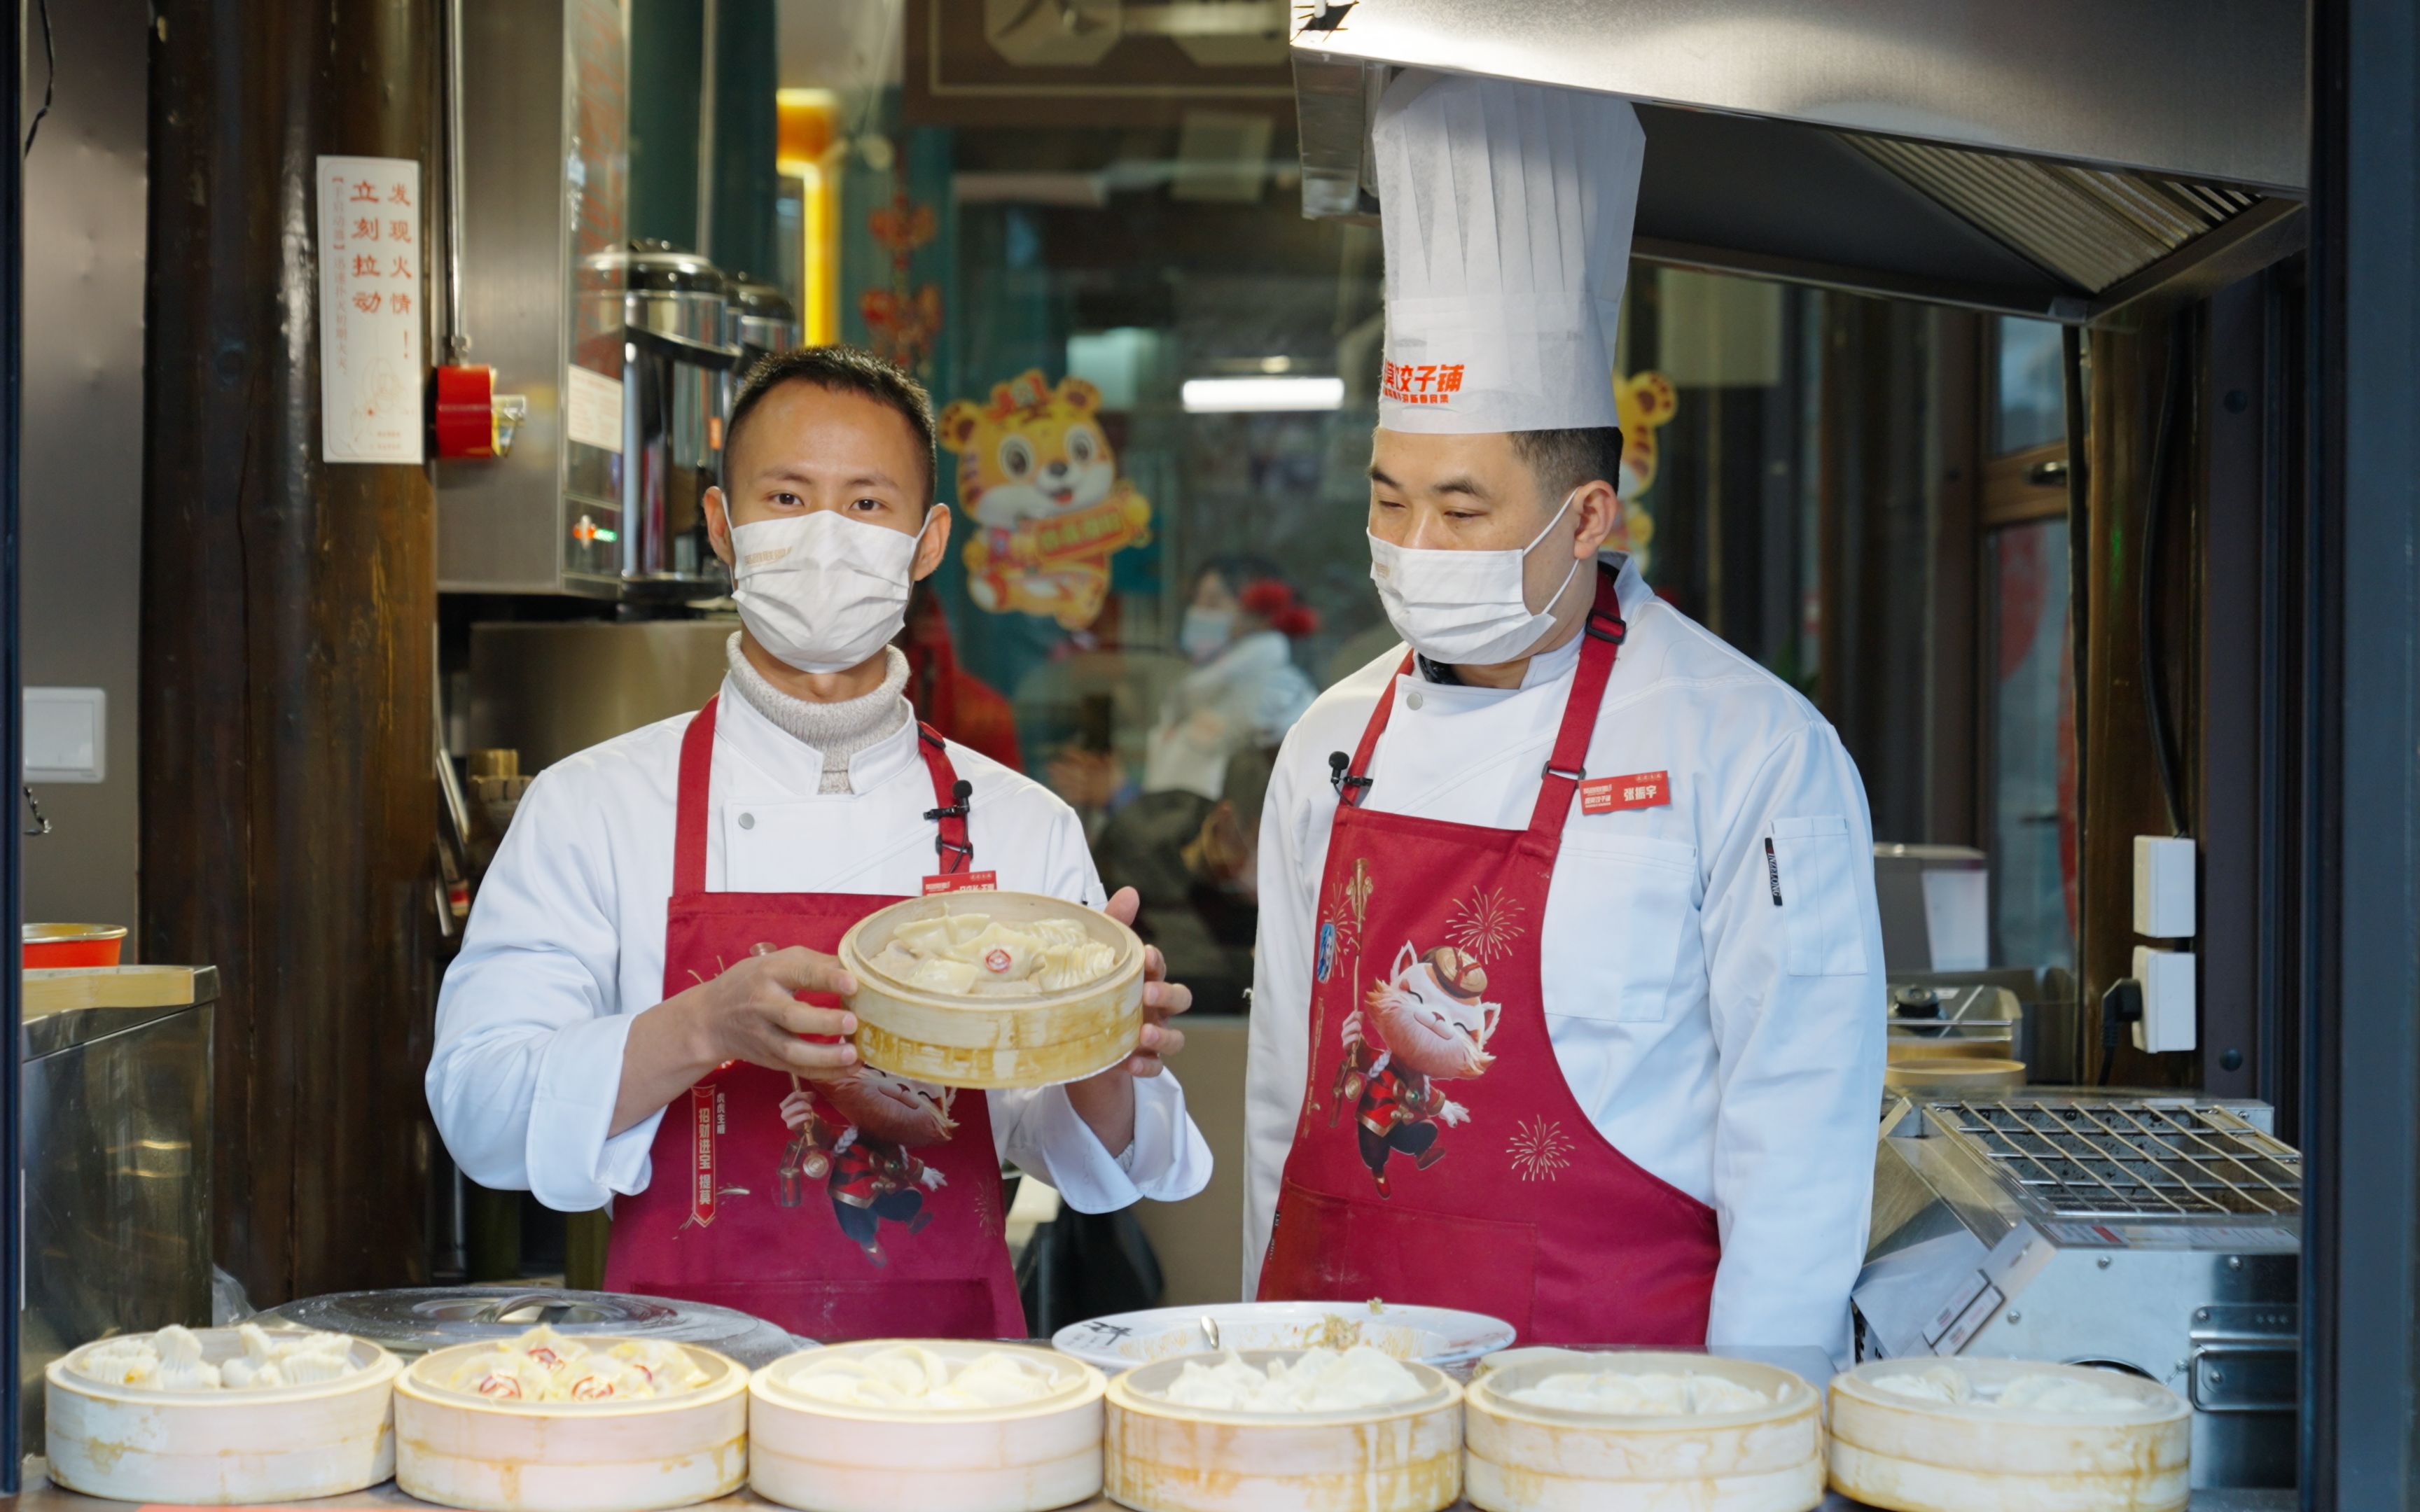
[1506, 211]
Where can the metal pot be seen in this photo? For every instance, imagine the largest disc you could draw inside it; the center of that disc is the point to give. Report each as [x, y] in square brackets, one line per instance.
[417, 1321]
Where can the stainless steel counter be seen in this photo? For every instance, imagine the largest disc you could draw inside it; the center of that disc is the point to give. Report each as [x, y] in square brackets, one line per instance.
[41, 1496]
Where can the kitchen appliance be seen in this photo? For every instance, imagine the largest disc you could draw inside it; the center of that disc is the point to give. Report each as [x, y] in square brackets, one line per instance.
[762, 323]
[2059, 160]
[115, 1100]
[416, 1320]
[2155, 1235]
[639, 532]
[619, 349]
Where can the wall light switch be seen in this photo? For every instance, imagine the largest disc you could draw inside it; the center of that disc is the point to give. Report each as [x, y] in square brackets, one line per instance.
[2163, 886]
[67, 734]
[2169, 1021]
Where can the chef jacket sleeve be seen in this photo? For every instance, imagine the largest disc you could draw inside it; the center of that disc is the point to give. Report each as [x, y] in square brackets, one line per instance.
[1277, 1059]
[530, 1031]
[1793, 954]
[1038, 1131]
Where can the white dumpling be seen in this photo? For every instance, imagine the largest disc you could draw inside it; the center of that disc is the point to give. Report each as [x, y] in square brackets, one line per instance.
[187, 1375]
[179, 1345]
[304, 1369]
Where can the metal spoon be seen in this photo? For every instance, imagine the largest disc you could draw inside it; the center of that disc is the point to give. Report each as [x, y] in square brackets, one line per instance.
[1210, 1330]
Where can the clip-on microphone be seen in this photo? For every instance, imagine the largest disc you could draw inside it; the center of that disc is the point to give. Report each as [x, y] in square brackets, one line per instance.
[1348, 789]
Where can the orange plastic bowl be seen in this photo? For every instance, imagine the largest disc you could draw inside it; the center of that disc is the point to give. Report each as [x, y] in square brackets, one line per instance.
[73, 945]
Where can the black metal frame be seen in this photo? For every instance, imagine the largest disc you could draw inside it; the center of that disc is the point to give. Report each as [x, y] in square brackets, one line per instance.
[2362, 879]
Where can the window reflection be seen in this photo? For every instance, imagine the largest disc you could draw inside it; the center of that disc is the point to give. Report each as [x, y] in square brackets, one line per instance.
[2029, 409]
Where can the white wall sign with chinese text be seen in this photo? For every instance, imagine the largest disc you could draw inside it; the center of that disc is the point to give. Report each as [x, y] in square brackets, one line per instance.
[371, 316]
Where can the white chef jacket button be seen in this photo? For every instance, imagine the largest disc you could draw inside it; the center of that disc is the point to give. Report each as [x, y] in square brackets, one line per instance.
[1413, 700]
[748, 821]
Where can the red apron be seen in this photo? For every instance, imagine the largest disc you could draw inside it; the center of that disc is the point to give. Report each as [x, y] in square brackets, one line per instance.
[1441, 1158]
[868, 1207]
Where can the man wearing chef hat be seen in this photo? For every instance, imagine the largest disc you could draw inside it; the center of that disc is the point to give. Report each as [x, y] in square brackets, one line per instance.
[1568, 999]
[623, 1021]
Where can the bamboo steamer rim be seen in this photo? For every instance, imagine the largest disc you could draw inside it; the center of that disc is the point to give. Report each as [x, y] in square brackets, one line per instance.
[859, 961]
[1791, 1392]
[418, 1381]
[1857, 1385]
[380, 1369]
[1442, 1391]
[1080, 1384]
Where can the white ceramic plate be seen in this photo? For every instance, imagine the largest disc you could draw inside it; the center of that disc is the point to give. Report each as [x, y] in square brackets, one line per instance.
[1439, 1336]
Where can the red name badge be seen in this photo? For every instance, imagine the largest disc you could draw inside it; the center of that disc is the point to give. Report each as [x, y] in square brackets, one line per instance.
[962, 881]
[1640, 789]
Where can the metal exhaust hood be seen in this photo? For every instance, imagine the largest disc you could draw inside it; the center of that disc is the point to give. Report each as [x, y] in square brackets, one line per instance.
[2083, 160]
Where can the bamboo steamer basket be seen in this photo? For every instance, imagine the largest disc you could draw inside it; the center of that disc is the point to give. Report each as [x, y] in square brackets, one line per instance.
[1405, 1456]
[953, 1041]
[1965, 1073]
[824, 1457]
[1524, 1458]
[1906, 1454]
[494, 1456]
[223, 1447]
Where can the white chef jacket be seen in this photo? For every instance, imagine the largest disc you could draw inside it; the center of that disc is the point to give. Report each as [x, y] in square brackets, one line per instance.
[1730, 1044]
[566, 944]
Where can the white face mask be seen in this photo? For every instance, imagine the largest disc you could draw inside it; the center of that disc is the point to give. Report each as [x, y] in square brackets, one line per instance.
[821, 590]
[1205, 632]
[1464, 607]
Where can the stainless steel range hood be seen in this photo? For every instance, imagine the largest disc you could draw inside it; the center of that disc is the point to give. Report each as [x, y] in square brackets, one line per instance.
[2080, 159]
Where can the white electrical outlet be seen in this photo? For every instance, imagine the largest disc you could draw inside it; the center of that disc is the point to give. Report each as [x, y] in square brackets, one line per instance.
[2169, 1021]
[2163, 886]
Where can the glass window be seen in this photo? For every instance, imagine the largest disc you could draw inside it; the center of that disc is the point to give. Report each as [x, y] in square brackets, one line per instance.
[2029, 404]
[2032, 798]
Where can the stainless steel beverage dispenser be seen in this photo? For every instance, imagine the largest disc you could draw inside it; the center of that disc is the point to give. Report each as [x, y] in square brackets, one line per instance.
[763, 322]
[672, 307]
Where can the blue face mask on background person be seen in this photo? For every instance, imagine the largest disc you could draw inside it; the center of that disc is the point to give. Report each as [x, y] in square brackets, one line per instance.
[1205, 632]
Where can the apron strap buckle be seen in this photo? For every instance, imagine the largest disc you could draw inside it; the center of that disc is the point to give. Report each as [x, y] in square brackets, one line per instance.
[1576, 774]
[1604, 626]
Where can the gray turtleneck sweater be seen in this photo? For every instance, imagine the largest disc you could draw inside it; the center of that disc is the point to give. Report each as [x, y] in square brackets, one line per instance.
[839, 731]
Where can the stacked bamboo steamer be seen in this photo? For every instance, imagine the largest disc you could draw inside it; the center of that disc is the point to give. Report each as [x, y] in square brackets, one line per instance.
[822, 1457]
[954, 1039]
[1906, 1454]
[219, 1448]
[636, 1456]
[1525, 1458]
[1403, 1456]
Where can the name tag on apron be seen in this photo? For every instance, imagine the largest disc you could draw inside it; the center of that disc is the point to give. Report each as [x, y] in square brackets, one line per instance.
[1640, 789]
[962, 881]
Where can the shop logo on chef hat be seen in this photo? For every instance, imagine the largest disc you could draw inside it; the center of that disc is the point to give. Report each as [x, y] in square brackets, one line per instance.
[1506, 211]
[1422, 382]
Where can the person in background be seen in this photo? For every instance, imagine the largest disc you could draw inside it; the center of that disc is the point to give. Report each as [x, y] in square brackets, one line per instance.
[962, 707]
[1197, 860]
[1244, 690]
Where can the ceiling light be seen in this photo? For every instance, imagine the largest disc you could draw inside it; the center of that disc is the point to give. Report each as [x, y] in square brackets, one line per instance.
[1231, 395]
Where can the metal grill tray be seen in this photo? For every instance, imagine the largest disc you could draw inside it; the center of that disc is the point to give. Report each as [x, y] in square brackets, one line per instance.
[2127, 1159]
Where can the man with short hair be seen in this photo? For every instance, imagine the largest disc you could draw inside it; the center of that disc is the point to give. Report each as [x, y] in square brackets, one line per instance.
[1568, 1001]
[645, 1005]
